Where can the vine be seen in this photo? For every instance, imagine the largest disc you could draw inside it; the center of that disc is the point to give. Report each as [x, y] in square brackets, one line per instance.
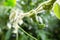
[16, 17]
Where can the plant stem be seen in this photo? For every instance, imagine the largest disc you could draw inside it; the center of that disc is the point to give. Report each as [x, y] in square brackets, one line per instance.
[27, 33]
[17, 35]
[45, 5]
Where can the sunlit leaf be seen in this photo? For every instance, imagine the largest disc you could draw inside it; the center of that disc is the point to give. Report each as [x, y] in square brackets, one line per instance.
[57, 10]
[11, 3]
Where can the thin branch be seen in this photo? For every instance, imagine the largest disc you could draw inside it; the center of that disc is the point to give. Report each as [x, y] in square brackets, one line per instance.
[27, 33]
[47, 5]
[17, 35]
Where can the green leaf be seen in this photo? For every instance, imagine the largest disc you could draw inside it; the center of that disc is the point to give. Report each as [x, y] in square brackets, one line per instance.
[41, 26]
[42, 34]
[4, 16]
[57, 10]
[8, 34]
[11, 3]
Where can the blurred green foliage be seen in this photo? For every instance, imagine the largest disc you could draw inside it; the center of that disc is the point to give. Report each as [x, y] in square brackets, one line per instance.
[45, 26]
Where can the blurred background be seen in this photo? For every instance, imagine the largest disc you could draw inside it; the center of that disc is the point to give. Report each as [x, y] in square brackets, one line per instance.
[45, 26]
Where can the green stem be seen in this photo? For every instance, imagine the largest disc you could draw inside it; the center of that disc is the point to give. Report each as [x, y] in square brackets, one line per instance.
[27, 33]
[17, 36]
[47, 5]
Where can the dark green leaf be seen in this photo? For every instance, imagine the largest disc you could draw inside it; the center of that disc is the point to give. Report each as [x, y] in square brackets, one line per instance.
[8, 34]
